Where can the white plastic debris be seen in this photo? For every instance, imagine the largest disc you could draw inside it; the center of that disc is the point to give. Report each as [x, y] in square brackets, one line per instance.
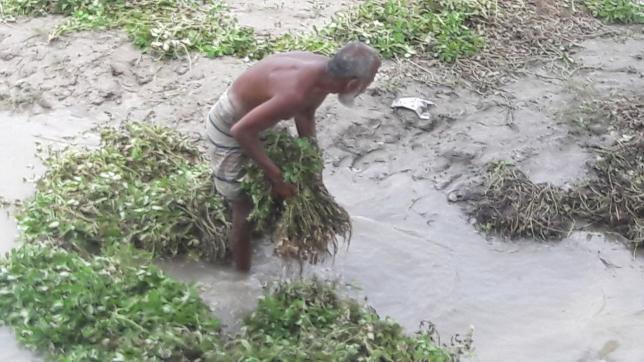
[418, 105]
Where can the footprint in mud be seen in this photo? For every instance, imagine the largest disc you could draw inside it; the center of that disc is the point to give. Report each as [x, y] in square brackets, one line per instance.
[24, 96]
[466, 190]
[461, 149]
[107, 90]
[7, 55]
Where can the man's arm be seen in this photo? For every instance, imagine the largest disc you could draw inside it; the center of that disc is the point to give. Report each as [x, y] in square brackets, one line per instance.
[246, 133]
[305, 124]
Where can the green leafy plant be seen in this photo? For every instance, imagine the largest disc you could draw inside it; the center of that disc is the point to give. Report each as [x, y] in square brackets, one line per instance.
[617, 11]
[105, 308]
[453, 39]
[177, 27]
[396, 28]
[306, 226]
[44, 7]
[169, 27]
[308, 321]
[145, 185]
[119, 307]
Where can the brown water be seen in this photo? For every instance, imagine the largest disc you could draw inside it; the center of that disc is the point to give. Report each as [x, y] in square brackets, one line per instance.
[527, 301]
[414, 254]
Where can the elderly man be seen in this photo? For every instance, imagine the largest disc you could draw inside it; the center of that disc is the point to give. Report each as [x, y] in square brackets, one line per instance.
[279, 87]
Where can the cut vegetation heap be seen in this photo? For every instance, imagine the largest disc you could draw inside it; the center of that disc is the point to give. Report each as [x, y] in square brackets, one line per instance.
[118, 307]
[612, 198]
[514, 206]
[105, 308]
[145, 185]
[169, 27]
[503, 35]
[309, 322]
[149, 186]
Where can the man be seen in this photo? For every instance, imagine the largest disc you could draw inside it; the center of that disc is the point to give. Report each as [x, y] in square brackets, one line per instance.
[279, 87]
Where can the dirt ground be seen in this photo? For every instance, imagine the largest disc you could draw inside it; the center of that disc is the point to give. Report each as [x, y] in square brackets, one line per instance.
[414, 254]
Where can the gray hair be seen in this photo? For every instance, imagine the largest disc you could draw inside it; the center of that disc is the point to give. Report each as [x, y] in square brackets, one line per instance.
[354, 60]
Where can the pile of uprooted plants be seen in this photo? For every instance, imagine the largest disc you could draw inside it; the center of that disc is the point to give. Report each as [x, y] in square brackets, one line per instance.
[611, 199]
[84, 287]
[119, 307]
[480, 42]
[149, 186]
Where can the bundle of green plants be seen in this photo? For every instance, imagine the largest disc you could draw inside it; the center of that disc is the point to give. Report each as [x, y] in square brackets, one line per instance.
[104, 308]
[395, 28]
[309, 225]
[613, 197]
[168, 27]
[513, 206]
[144, 185]
[617, 11]
[308, 321]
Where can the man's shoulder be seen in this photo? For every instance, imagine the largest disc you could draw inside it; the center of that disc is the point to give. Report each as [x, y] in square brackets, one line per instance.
[301, 55]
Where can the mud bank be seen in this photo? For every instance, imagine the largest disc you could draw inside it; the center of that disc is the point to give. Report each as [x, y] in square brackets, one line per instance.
[414, 254]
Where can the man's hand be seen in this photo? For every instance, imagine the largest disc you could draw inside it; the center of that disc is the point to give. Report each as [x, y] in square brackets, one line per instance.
[283, 189]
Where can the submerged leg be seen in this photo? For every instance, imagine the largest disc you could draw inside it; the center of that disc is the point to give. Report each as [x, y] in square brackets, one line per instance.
[240, 234]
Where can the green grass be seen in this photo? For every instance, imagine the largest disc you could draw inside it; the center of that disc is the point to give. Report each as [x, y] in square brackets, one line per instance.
[176, 27]
[168, 27]
[617, 11]
[397, 28]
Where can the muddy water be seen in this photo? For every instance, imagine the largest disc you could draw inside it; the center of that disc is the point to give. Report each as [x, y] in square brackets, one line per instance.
[567, 301]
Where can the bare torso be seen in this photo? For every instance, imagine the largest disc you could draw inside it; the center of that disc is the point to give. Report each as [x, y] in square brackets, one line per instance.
[287, 74]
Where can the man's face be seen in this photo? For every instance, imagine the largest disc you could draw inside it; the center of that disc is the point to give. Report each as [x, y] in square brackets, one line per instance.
[354, 90]
[348, 98]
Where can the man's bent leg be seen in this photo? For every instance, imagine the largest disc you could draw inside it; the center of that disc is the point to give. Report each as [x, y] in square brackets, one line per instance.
[240, 234]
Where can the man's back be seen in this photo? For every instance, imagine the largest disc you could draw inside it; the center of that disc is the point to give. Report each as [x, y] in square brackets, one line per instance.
[286, 74]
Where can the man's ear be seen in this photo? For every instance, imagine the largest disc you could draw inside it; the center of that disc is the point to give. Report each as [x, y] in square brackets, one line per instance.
[352, 86]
